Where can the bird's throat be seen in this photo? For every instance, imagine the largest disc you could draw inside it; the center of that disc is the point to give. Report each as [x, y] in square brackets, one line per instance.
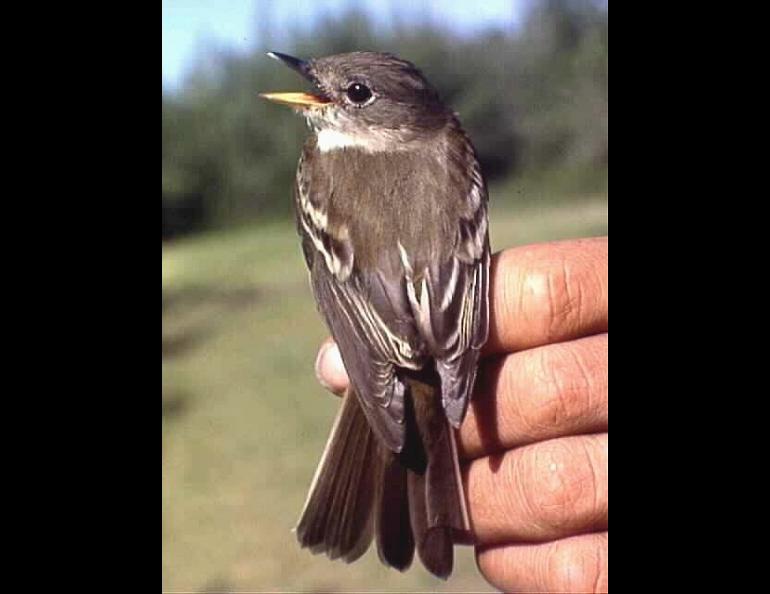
[329, 139]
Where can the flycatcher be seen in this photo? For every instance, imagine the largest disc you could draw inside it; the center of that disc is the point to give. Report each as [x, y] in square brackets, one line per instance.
[391, 207]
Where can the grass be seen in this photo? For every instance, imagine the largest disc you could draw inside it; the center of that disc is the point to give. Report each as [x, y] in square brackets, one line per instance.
[244, 420]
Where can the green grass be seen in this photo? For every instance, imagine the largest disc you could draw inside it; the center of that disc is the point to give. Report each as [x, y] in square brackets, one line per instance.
[244, 420]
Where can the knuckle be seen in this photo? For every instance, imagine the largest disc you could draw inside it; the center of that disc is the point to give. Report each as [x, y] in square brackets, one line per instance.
[563, 384]
[562, 301]
[559, 485]
[556, 294]
[520, 504]
[574, 566]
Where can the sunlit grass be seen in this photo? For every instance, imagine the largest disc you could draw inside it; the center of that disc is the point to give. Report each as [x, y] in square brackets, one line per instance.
[244, 420]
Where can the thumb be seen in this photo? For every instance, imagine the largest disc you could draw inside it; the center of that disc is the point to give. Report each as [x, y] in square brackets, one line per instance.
[329, 368]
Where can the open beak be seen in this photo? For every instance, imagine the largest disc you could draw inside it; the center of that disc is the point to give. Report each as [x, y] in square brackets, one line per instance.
[296, 99]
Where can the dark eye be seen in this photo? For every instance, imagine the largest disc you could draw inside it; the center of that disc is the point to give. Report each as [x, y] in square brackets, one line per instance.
[359, 93]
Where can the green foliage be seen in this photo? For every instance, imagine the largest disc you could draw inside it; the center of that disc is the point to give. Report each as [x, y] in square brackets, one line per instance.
[534, 102]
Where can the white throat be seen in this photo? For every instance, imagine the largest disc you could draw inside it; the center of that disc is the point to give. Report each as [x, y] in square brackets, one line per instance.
[329, 139]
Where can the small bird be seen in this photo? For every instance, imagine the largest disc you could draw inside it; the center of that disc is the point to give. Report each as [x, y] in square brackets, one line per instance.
[391, 206]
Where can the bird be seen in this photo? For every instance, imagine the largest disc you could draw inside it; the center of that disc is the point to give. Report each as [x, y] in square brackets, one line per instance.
[391, 207]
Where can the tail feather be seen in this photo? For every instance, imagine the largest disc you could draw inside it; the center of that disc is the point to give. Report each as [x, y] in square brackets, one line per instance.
[353, 497]
[444, 478]
[337, 517]
[436, 499]
[412, 500]
[395, 543]
[356, 524]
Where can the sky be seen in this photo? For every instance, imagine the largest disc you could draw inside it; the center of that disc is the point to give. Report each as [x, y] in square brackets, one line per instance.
[191, 25]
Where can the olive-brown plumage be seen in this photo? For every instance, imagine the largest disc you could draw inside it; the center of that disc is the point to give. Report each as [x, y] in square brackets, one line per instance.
[392, 210]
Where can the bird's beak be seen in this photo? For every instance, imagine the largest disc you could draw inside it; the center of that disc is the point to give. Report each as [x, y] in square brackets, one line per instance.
[296, 99]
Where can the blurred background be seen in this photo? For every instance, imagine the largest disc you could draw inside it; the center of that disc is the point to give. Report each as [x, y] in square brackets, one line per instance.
[244, 421]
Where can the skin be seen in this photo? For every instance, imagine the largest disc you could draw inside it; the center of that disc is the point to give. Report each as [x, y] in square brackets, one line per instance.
[534, 441]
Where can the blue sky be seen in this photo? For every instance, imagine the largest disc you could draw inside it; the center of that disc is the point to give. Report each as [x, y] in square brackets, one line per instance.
[190, 25]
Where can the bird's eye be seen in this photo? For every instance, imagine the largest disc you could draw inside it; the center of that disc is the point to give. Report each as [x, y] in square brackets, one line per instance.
[359, 93]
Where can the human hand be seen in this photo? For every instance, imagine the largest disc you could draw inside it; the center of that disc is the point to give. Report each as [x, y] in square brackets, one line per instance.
[534, 442]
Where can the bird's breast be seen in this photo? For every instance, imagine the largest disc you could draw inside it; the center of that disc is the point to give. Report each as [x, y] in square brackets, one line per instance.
[389, 199]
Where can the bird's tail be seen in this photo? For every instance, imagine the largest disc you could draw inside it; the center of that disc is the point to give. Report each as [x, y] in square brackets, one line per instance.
[409, 500]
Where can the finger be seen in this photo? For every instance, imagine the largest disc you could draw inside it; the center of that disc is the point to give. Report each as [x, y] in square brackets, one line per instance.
[537, 394]
[547, 293]
[329, 368]
[575, 564]
[544, 491]
[569, 380]
[541, 293]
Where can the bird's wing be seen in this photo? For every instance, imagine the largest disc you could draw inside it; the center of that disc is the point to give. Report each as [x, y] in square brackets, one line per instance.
[449, 296]
[367, 312]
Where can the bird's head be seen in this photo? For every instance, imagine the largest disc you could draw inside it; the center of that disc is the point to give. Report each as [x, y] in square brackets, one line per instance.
[370, 100]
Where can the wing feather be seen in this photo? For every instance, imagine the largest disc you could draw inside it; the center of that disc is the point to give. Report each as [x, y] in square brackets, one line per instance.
[450, 296]
[367, 313]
